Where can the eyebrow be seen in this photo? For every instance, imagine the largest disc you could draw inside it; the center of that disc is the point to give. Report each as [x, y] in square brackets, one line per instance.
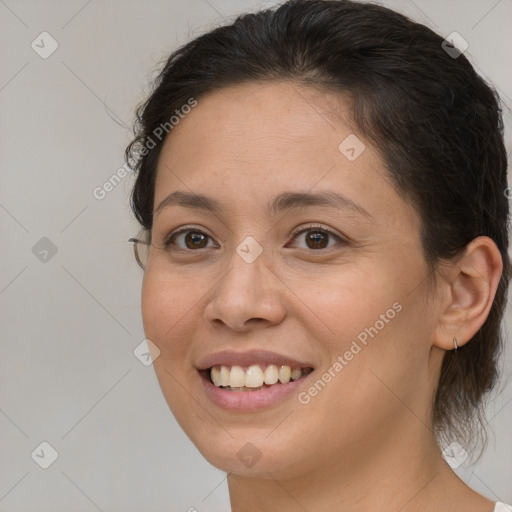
[283, 202]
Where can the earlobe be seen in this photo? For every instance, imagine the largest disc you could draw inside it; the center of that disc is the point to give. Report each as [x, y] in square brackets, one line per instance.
[472, 288]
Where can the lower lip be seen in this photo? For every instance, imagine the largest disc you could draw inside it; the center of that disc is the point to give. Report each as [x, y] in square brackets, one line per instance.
[251, 400]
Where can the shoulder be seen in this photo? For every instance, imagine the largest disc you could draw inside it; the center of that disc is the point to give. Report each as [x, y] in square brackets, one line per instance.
[502, 507]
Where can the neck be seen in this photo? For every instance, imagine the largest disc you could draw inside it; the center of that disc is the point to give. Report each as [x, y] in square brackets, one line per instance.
[407, 474]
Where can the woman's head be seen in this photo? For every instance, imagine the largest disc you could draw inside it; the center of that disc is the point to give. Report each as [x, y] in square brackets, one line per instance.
[322, 97]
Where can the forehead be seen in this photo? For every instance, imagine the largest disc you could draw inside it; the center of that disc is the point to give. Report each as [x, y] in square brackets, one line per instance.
[262, 127]
[252, 141]
[264, 113]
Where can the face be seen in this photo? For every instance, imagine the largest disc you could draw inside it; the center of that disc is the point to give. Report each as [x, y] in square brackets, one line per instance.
[268, 275]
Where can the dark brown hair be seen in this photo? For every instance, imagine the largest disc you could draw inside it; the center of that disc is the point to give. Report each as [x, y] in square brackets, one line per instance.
[433, 119]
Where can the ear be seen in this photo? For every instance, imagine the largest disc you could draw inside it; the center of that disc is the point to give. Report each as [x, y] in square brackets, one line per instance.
[470, 287]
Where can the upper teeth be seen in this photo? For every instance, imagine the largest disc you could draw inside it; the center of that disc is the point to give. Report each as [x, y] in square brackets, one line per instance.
[254, 376]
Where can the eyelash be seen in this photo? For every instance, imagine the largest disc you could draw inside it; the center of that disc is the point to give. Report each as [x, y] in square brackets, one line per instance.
[169, 239]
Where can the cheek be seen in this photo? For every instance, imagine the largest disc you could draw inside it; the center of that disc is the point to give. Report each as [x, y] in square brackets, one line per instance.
[153, 298]
[382, 376]
[163, 301]
[168, 315]
[350, 304]
[370, 321]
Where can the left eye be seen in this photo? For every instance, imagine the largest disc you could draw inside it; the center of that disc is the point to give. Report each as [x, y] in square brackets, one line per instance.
[316, 238]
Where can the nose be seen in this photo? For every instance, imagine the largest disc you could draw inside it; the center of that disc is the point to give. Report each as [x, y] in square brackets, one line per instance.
[249, 295]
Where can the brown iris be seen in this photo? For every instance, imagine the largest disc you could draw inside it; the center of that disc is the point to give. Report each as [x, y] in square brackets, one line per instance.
[315, 237]
[197, 240]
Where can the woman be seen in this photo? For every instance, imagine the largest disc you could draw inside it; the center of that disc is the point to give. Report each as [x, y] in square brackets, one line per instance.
[322, 195]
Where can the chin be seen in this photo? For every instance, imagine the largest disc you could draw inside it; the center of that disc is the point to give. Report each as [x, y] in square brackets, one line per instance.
[259, 459]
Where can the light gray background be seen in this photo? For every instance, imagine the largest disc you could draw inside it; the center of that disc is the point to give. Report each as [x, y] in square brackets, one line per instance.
[69, 326]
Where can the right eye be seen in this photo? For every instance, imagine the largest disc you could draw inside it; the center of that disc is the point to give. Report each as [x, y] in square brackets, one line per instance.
[192, 238]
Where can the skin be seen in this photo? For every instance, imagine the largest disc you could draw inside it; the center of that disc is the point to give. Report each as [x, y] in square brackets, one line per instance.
[365, 441]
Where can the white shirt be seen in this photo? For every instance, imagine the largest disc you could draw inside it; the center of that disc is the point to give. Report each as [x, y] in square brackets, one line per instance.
[501, 507]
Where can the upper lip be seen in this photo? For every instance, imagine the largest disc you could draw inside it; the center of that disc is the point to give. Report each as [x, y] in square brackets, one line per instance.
[250, 357]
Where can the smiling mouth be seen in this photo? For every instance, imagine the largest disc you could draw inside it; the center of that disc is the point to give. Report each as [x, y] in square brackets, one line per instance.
[254, 377]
